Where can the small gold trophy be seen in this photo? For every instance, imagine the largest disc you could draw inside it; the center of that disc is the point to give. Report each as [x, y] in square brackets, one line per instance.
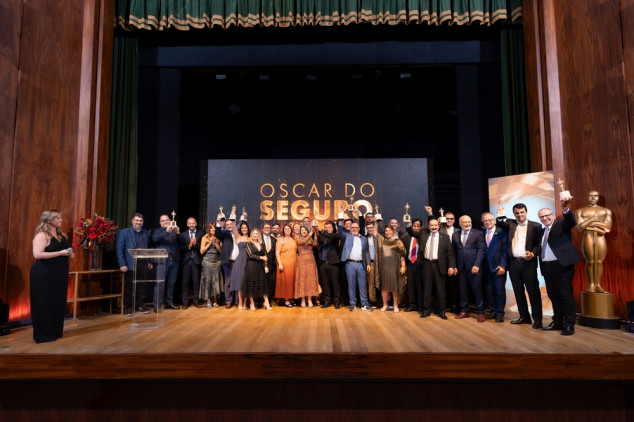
[232, 216]
[221, 215]
[442, 218]
[315, 223]
[243, 217]
[340, 215]
[377, 214]
[173, 222]
[351, 205]
[564, 195]
[500, 209]
[406, 217]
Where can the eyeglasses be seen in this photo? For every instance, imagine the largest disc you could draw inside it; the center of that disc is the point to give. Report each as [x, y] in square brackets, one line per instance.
[488, 219]
[450, 218]
[545, 216]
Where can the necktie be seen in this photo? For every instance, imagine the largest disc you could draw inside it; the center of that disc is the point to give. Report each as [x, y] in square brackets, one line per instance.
[430, 252]
[191, 234]
[464, 237]
[267, 241]
[414, 250]
[545, 242]
[489, 235]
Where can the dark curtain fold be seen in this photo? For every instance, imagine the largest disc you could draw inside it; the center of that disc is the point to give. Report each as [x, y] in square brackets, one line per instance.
[123, 160]
[514, 114]
[186, 14]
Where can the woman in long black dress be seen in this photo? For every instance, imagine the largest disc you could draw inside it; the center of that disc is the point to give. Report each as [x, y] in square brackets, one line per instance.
[254, 284]
[49, 278]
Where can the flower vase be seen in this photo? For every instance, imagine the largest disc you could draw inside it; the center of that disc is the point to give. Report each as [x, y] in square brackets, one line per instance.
[95, 260]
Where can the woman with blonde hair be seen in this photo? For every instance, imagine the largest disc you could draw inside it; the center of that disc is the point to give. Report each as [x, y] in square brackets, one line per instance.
[286, 254]
[49, 277]
[211, 284]
[254, 284]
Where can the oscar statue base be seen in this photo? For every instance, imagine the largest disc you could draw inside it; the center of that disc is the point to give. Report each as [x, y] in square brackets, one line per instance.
[597, 311]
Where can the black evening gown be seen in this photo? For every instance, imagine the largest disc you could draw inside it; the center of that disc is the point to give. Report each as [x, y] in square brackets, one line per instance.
[49, 285]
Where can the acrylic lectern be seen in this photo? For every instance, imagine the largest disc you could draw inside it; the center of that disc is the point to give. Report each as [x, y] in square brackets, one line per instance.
[149, 272]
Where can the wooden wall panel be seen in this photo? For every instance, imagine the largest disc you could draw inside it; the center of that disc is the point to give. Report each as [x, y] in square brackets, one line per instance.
[587, 118]
[10, 16]
[59, 148]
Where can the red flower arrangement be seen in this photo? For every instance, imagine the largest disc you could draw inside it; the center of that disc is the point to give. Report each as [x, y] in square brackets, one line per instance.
[94, 233]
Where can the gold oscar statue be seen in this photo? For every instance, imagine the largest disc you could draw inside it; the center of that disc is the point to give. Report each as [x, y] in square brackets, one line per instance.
[595, 222]
[173, 221]
[406, 216]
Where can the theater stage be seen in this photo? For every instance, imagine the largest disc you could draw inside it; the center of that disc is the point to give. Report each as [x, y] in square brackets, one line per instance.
[315, 344]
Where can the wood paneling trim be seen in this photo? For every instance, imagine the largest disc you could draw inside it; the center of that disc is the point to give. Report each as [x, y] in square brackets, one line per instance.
[318, 366]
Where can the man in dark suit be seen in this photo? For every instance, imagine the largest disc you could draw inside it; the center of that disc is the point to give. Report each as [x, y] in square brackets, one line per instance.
[523, 245]
[190, 262]
[470, 249]
[166, 237]
[229, 253]
[133, 237]
[414, 269]
[451, 283]
[495, 265]
[329, 265]
[438, 260]
[557, 262]
[270, 243]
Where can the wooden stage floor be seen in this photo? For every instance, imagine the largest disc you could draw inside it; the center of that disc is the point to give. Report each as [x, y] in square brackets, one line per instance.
[316, 344]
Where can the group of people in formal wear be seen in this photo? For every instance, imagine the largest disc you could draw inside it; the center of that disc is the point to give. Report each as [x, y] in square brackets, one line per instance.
[431, 267]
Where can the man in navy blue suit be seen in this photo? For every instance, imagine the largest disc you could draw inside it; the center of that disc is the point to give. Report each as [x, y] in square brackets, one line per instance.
[133, 237]
[496, 262]
[356, 258]
[166, 237]
[557, 258]
[470, 249]
[190, 262]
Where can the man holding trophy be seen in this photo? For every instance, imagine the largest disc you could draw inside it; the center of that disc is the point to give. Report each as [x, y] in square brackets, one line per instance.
[557, 260]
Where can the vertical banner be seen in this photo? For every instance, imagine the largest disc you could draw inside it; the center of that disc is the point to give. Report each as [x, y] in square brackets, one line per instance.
[536, 191]
[289, 190]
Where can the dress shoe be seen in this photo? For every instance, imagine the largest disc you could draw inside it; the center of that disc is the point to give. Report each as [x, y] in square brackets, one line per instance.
[499, 318]
[553, 326]
[568, 330]
[185, 306]
[481, 318]
[442, 315]
[410, 309]
[537, 325]
[521, 320]
[325, 305]
[141, 310]
[462, 315]
[228, 305]
[425, 314]
[199, 305]
[171, 306]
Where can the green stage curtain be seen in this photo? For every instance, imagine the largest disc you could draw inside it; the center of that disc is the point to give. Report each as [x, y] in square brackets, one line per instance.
[514, 114]
[186, 14]
[123, 160]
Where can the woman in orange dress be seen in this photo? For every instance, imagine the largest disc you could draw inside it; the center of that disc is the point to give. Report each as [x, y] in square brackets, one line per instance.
[306, 279]
[286, 254]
